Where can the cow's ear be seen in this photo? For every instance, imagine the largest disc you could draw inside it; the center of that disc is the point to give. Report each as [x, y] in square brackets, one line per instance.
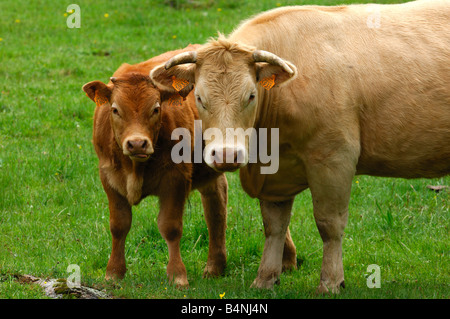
[269, 75]
[98, 92]
[179, 78]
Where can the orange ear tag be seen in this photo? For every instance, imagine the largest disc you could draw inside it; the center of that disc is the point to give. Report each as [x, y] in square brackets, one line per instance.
[175, 100]
[179, 84]
[268, 82]
[99, 100]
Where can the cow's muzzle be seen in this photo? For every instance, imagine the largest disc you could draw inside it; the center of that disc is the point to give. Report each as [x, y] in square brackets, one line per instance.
[226, 159]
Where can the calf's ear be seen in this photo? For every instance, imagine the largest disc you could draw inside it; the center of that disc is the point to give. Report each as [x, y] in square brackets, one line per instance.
[98, 92]
[270, 75]
[179, 78]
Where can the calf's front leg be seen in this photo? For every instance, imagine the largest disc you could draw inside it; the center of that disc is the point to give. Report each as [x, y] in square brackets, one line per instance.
[170, 225]
[120, 224]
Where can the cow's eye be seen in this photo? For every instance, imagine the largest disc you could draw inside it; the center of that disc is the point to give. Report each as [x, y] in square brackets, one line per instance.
[199, 101]
[115, 111]
[251, 97]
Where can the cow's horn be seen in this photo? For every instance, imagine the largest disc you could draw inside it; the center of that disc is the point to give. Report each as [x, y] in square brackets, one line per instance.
[182, 58]
[265, 56]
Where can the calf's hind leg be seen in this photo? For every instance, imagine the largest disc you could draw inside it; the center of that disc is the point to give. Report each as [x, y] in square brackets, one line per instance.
[214, 199]
[289, 254]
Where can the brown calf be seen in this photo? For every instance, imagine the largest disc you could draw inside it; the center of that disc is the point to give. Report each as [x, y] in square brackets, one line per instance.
[133, 124]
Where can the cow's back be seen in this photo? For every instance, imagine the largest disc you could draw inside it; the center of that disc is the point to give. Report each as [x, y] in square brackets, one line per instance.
[377, 74]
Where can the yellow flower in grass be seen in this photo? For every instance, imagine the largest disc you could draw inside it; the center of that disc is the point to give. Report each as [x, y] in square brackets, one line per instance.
[17, 21]
[106, 15]
[71, 11]
[222, 295]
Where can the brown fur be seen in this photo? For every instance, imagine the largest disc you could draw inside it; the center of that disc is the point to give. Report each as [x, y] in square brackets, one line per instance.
[143, 113]
[368, 99]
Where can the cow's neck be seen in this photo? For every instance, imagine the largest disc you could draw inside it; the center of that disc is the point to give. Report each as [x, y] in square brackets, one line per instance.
[266, 115]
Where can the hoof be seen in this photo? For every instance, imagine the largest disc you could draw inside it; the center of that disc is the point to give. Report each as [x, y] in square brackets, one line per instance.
[324, 288]
[288, 267]
[114, 275]
[181, 283]
[265, 284]
[213, 271]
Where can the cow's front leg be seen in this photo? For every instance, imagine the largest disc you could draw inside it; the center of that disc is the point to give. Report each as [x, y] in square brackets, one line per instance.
[120, 224]
[330, 191]
[170, 225]
[214, 200]
[276, 217]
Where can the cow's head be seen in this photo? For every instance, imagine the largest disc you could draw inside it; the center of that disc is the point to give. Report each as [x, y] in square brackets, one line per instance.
[135, 112]
[227, 90]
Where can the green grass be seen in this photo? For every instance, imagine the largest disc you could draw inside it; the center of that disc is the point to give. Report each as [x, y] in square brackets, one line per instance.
[53, 211]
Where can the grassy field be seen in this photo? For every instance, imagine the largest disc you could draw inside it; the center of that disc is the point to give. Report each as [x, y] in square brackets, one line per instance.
[53, 211]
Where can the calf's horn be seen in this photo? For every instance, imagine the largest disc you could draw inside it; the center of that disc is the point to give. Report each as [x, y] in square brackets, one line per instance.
[265, 56]
[182, 58]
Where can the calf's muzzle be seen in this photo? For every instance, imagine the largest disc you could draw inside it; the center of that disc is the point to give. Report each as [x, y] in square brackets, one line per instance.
[138, 148]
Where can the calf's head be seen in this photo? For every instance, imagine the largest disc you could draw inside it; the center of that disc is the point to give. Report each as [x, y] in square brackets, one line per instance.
[229, 80]
[135, 112]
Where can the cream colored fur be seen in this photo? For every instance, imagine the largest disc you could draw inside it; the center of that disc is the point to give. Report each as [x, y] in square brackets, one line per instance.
[371, 96]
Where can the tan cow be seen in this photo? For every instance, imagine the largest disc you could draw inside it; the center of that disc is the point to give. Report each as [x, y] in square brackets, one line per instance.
[358, 89]
[133, 125]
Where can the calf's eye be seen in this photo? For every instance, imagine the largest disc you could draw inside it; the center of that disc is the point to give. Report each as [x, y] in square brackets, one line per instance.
[156, 108]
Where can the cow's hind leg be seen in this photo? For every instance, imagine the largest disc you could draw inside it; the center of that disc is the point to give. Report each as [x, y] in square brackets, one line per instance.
[276, 217]
[214, 199]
